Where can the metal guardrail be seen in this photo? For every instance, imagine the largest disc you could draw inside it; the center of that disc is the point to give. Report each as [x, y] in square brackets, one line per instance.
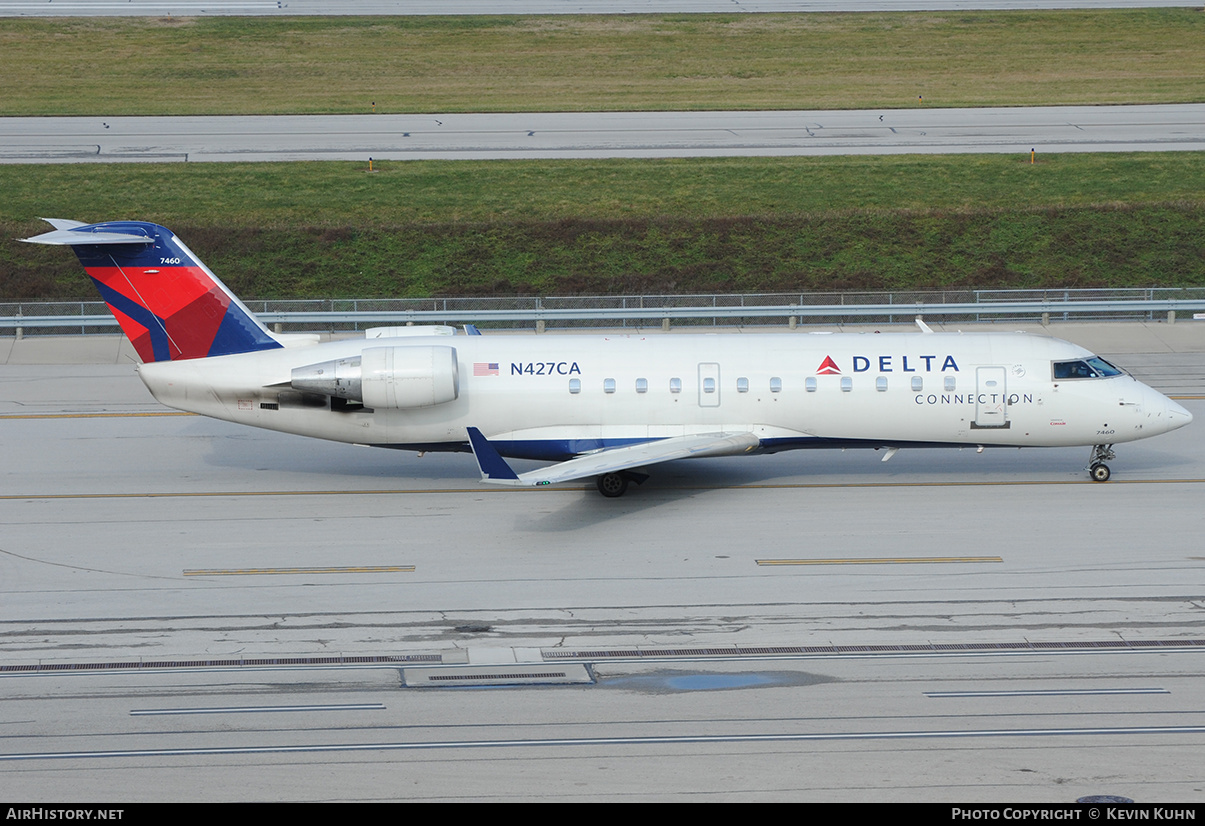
[640, 311]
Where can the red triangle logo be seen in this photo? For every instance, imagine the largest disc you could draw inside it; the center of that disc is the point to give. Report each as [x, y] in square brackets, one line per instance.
[828, 367]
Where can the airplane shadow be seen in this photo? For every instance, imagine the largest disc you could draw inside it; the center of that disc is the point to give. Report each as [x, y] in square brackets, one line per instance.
[288, 459]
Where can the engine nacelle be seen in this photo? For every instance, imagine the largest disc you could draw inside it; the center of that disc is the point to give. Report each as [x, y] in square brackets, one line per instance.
[386, 377]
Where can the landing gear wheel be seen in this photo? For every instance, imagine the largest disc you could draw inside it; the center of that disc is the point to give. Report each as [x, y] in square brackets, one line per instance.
[612, 485]
[1097, 468]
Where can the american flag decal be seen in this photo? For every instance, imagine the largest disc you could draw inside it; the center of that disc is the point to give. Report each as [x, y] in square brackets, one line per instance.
[485, 368]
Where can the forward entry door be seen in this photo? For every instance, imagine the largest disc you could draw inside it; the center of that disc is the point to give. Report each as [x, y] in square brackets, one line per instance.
[991, 403]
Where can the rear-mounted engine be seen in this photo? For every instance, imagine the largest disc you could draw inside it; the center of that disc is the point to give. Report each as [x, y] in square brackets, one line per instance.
[386, 377]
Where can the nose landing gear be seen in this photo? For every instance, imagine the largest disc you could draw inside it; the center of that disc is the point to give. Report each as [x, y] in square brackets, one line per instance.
[1097, 468]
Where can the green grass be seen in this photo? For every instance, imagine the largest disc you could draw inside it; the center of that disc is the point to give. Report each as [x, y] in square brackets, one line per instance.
[178, 66]
[636, 226]
[559, 227]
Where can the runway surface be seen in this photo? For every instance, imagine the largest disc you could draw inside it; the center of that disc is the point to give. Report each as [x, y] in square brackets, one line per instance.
[603, 135]
[133, 534]
[207, 8]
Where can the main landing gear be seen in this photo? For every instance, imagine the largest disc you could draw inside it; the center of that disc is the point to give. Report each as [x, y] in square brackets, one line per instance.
[1097, 468]
[612, 485]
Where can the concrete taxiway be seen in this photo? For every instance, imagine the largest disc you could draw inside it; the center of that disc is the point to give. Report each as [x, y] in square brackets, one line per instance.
[812, 625]
[603, 135]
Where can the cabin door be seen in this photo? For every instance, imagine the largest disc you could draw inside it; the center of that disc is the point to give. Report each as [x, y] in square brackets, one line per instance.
[991, 408]
[709, 384]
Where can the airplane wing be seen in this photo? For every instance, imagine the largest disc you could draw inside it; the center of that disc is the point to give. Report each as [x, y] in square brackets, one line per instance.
[496, 471]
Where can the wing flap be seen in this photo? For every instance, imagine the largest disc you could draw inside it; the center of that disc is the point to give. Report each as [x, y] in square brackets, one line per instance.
[495, 470]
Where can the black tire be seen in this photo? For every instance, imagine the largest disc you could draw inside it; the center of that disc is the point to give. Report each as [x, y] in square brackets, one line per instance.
[612, 485]
[1100, 473]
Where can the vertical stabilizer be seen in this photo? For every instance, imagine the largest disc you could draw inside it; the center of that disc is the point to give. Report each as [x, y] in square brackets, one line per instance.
[168, 303]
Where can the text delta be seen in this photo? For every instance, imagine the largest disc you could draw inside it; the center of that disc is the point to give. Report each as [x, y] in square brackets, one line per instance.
[948, 365]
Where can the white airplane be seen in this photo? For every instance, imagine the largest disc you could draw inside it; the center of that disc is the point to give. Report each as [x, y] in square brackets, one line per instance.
[601, 405]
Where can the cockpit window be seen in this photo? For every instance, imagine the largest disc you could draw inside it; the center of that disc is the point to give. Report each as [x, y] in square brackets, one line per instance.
[1090, 368]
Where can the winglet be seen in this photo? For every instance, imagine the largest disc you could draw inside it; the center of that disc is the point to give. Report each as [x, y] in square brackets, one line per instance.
[493, 467]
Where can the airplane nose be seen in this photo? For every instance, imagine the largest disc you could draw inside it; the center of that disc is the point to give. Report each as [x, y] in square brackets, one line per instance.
[1177, 416]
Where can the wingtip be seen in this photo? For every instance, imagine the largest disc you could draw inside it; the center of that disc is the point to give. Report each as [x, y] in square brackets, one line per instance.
[489, 461]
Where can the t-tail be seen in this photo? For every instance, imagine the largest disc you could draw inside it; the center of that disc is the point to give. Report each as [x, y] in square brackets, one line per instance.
[169, 304]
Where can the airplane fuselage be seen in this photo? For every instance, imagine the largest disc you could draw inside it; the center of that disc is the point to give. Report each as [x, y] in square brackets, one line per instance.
[557, 396]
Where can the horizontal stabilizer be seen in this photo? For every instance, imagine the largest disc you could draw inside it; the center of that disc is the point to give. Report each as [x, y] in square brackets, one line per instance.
[73, 236]
[64, 223]
[495, 470]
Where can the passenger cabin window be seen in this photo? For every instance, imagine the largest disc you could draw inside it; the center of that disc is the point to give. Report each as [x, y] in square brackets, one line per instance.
[708, 385]
[950, 383]
[775, 385]
[742, 385]
[675, 385]
[1090, 368]
[608, 385]
[810, 384]
[642, 385]
[575, 385]
[880, 384]
[918, 384]
[847, 384]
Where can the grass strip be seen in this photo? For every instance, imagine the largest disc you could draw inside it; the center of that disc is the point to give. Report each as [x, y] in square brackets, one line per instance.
[420, 228]
[231, 65]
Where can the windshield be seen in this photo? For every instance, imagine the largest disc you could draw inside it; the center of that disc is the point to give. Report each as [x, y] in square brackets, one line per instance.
[1093, 367]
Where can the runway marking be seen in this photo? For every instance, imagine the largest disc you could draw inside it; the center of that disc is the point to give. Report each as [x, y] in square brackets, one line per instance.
[611, 741]
[256, 709]
[916, 560]
[352, 569]
[94, 415]
[1052, 692]
[578, 489]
